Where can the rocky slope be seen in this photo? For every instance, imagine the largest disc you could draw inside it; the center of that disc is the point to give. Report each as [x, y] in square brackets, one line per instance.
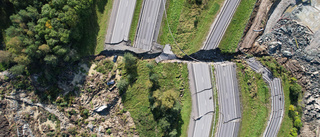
[293, 39]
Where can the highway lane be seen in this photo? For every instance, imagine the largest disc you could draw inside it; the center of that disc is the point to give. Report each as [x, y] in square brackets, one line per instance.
[149, 24]
[220, 24]
[202, 100]
[122, 14]
[229, 101]
[277, 98]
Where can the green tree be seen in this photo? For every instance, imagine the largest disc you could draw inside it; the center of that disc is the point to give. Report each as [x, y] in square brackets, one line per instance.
[5, 56]
[122, 85]
[17, 69]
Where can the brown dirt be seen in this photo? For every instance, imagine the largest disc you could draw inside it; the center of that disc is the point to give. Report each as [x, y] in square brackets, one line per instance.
[257, 21]
[4, 123]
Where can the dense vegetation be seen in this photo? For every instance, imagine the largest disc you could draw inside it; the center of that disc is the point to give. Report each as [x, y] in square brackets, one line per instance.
[255, 98]
[291, 123]
[45, 37]
[234, 32]
[189, 22]
[152, 94]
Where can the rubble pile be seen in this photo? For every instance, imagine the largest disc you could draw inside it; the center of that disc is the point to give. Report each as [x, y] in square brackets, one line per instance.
[290, 39]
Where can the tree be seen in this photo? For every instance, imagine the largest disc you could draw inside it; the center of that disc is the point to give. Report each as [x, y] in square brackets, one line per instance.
[4, 56]
[122, 85]
[129, 61]
[165, 100]
[297, 123]
[295, 90]
[17, 69]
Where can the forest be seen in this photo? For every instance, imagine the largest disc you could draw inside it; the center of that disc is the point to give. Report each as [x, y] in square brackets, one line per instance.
[41, 35]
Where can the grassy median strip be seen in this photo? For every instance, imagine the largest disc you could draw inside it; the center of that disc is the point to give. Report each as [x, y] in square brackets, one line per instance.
[255, 98]
[215, 94]
[135, 20]
[189, 24]
[141, 98]
[234, 32]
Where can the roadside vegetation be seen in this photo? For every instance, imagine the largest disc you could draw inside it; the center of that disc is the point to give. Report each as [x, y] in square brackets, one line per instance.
[135, 20]
[234, 32]
[255, 98]
[215, 95]
[156, 95]
[189, 22]
[291, 122]
[103, 10]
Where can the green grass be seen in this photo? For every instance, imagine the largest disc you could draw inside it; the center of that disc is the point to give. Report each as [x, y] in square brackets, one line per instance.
[281, 72]
[181, 18]
[136, 99]
[95, 28]
[234, 32]
[135, 20]
[215, 94]
[255, 98]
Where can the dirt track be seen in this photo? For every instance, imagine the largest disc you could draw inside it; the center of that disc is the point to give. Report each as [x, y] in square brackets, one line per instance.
[257, 21]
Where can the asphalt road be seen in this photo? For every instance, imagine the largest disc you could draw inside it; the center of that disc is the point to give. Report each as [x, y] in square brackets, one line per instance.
[277, 98]
[220, 24]
[229, 101]
[202, 100]
[120, 22]
[149, 24]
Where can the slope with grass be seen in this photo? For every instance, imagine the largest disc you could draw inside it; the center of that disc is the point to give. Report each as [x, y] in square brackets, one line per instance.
[138, 97]
[189, 23]
[234, 32]
[255, 98]
[96, 28]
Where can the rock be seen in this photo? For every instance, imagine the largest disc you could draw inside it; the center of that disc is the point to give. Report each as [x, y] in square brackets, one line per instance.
[309, 58]
[310, 107]
[318, 116]
[90, 126]
[310, 101]
[287, 53]
[101, 129]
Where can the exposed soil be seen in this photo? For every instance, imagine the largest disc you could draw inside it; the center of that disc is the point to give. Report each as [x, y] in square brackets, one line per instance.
[257, 22]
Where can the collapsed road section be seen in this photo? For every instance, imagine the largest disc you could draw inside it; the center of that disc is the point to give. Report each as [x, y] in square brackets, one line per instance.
[202, 100]
[277, 98]
[229, 101]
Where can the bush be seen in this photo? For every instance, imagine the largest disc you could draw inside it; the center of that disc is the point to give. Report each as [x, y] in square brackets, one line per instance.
[17, 69]
[122, 85]
[129, 61]
[293, 132]
[84, 113]
[297, 123]
[109, 131]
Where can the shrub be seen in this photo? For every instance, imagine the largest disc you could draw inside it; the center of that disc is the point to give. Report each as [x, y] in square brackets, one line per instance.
[109, 131]
[297, 123]
[17, 69]
[293, 132]
[122, 85]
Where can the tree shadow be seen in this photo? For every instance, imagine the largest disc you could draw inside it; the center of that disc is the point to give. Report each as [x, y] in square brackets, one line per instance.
[6, 10]
[90, 29]
[101, 5]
